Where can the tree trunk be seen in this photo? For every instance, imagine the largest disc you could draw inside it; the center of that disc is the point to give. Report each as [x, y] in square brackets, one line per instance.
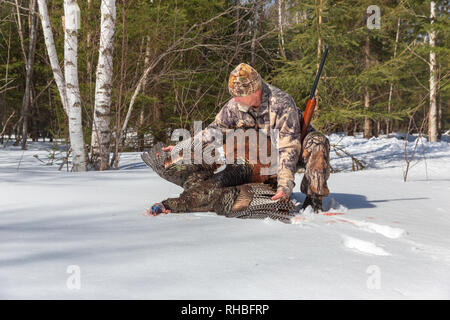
[367, 121]
[88, 46]
[141, 141]
[29, 74]
[89, 55]
[3, 100]
[351, 128]
[51, 51]
[237, 19]
[35, 116]
[115, 158]
[237, 28]
[258, 6]
[101, 132]
[388, 129]
[439, 105]
[433, 113]
[19, 28]
[72, 90]
[280, 28]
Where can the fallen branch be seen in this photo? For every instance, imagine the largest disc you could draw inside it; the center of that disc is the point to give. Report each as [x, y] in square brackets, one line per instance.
[6, 123]
[356, 163]
[408, 159]
[13, 129]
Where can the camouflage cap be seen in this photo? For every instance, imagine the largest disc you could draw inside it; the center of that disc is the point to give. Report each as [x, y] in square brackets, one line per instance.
[244, 80]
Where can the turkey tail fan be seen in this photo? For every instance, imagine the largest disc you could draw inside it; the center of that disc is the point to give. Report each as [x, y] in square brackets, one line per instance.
[155, 158]
[178, 173]
[254, 202]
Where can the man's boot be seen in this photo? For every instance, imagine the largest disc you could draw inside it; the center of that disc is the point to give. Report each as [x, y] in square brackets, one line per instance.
[316, 157]
[315, 203]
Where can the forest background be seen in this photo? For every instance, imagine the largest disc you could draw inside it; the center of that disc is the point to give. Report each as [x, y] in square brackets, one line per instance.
[123, 74]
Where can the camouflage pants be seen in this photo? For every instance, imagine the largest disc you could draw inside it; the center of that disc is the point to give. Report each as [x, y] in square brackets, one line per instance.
[315, 158]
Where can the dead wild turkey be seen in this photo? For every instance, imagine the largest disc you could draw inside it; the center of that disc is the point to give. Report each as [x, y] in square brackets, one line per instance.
[237, 191]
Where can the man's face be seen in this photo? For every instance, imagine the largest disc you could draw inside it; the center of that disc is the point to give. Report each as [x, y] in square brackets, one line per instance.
[252, 100]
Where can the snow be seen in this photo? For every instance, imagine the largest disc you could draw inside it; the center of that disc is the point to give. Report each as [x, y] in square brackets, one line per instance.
[377, 229]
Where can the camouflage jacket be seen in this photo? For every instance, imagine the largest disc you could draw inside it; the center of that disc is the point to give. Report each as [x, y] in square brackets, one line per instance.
[277, 111]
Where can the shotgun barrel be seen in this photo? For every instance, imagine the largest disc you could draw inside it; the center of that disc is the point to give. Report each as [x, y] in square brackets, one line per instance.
[316, 81]
[309, 110]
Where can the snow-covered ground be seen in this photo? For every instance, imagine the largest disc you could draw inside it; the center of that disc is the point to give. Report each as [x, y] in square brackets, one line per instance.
[388, 238]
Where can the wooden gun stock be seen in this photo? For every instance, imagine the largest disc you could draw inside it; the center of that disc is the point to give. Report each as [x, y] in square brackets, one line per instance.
[307, 116]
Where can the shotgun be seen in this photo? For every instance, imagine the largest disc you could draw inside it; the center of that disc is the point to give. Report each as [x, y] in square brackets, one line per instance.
[309, 111]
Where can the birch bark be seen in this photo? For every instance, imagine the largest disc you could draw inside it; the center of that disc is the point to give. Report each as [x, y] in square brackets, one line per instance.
[433, 114]
[72, 88]
[51, 51]
[101, 132]
[280, 27]
[141, 141]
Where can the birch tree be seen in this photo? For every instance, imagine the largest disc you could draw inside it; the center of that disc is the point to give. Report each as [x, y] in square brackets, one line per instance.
[71, 11]
[51, 51]
[142, 114]
[68, 84]
[101, 132]
[280, 27]
[433, 114]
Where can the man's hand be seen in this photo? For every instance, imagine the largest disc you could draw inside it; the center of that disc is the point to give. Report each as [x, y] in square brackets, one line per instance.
[167, 149]
[280, 195]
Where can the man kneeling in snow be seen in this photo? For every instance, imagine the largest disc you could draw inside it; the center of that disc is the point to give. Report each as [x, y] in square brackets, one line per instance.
[256, 104]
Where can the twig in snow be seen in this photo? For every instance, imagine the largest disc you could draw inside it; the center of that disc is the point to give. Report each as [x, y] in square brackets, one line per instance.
[408, 159]
[356, 163]
[6, 123]
[65, 160]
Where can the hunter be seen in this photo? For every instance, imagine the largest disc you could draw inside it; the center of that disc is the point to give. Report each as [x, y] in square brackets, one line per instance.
[257, 104]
